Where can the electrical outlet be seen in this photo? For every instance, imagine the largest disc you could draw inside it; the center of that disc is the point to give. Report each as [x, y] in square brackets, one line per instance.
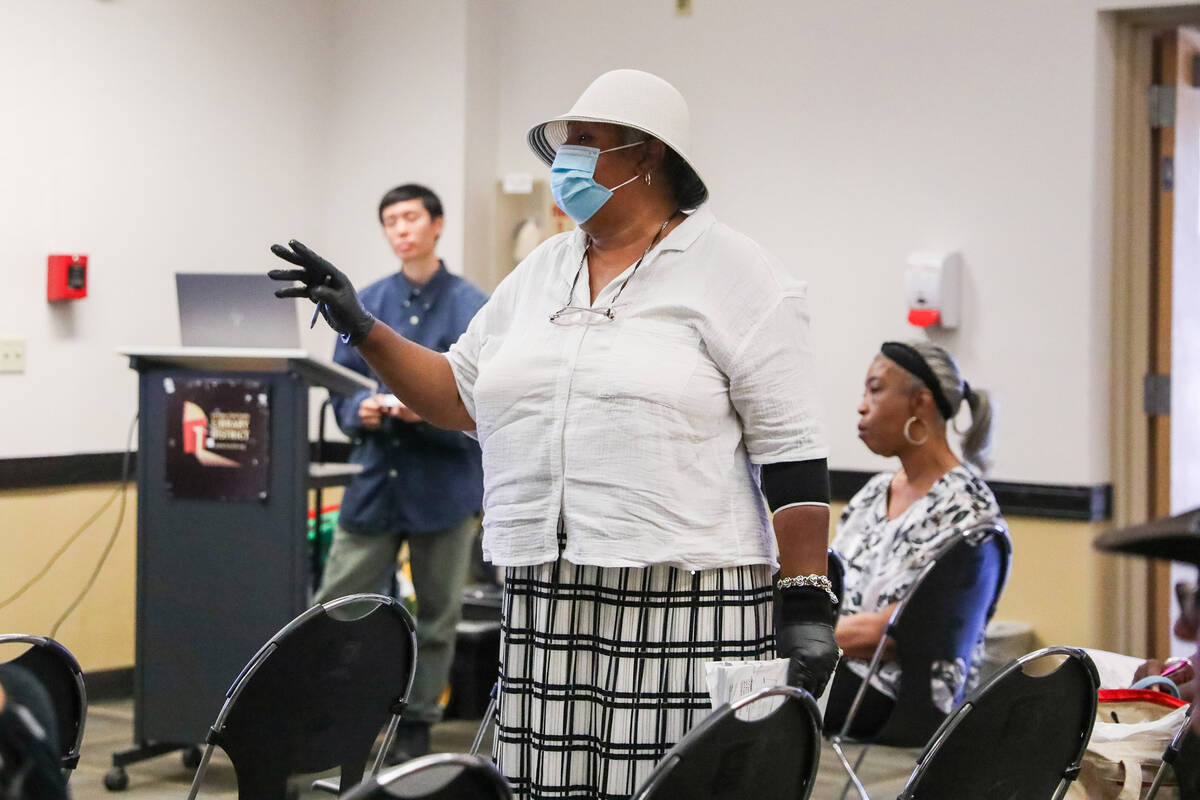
[12, 355]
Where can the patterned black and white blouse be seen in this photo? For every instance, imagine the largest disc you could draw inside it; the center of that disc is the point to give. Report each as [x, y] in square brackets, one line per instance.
[884, 556]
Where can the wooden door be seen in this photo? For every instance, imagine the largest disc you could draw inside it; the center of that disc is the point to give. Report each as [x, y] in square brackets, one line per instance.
[1174, 425]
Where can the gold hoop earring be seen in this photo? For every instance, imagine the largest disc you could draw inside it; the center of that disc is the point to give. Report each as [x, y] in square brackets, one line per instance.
[908, 436]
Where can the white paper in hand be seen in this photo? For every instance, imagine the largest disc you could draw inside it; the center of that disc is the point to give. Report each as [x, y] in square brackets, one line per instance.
[730, 681]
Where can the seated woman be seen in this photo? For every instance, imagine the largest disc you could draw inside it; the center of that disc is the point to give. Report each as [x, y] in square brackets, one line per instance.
[891, 528]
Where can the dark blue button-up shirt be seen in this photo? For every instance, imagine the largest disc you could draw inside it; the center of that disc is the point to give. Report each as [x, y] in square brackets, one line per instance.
[416, 478]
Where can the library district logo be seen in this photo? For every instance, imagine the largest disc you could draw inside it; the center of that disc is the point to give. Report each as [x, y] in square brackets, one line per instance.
[202, 436]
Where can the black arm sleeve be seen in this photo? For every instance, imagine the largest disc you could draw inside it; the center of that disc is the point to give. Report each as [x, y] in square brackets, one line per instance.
[791, 482]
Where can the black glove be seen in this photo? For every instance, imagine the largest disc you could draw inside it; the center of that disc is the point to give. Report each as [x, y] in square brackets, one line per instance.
[804, 618]
[327, 286]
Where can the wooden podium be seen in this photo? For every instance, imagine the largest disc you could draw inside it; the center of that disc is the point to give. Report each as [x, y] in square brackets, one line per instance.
[223, 560]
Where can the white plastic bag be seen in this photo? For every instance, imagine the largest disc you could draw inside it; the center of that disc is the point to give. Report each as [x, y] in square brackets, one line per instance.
[1124, 753]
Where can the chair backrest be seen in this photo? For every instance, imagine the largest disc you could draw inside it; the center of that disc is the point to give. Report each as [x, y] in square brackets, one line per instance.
[725, 758]
[836, 572]
[938, 625]
[1021, 735]
[441, 776]
[317, 694]
[58, 671]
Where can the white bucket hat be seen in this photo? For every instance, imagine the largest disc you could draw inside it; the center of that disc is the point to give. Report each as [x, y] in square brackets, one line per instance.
[636, 100]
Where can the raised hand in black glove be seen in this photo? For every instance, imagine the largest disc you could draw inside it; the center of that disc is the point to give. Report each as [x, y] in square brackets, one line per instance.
[326, 286]
[804, 618]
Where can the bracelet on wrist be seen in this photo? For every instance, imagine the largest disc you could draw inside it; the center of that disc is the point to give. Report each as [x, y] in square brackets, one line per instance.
[809, 582]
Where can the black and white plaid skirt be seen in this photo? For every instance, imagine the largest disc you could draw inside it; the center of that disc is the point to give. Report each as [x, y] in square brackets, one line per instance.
[602, 669]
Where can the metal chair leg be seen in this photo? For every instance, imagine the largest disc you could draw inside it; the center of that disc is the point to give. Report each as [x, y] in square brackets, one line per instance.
[386, 745]
[1158, 779]
[1170, 754]
[200, 770]
[872, 669]
[851, 772]
[488, 717]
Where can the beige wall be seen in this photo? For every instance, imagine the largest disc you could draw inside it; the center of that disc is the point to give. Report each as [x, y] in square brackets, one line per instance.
[36, 523]
[100, 632]
[1057, 582]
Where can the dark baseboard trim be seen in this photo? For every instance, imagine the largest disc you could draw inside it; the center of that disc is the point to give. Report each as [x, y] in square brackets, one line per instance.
[1090, 503]
[109, 684]
[51, 471]
[42, 471]
[1087, 503]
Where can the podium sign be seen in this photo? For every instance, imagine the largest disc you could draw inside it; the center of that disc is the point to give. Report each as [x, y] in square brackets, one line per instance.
[218, 438]
[222, 558]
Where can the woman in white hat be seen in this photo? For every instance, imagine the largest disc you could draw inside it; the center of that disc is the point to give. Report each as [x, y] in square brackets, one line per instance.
[637, 386]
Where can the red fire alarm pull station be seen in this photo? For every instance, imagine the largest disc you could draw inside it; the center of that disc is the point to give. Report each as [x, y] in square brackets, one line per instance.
[66, 277]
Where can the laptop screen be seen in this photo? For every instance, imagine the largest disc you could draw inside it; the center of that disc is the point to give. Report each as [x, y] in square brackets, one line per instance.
[234, 310]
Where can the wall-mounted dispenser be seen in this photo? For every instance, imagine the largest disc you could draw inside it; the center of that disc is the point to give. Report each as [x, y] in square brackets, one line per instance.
[933, 289]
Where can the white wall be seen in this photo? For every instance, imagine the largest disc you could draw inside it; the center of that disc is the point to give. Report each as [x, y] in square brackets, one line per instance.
[396, 115]
[165, 135]
[844, 135]
[482, 109]
[159, 135]
[155, 136]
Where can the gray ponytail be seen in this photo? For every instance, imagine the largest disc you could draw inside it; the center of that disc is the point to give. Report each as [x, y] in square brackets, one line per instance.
[977, 440]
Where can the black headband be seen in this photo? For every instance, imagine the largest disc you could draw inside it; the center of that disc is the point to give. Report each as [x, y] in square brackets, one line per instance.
[907, 357]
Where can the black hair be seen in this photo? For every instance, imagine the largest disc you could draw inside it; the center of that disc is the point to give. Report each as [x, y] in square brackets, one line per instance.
[685, 186]
[687, 190]
[412, 191]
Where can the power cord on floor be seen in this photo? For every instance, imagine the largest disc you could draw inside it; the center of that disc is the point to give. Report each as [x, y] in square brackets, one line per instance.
[119, 493]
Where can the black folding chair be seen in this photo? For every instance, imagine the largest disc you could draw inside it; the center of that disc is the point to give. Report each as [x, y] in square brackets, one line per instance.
[772, 758]
[441, 776]
[316, 696]
[1021, 735]
[940, 621]
[836, 571]
[58, 671]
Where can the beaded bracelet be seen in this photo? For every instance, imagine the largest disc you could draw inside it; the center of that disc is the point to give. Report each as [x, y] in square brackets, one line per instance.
[809, 581]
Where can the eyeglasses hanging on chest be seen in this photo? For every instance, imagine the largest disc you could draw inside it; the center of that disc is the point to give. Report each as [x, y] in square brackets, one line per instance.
[570, 312]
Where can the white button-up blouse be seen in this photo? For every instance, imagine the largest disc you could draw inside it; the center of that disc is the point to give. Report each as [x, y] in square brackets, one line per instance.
[644, 432]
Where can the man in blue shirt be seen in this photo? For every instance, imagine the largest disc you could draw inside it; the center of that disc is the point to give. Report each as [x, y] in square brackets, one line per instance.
[419, 484]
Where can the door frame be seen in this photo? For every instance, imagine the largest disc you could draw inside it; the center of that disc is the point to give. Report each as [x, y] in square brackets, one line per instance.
[1140, 605]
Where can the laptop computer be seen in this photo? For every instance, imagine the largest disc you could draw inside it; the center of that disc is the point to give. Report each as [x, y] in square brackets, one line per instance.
[234, 310]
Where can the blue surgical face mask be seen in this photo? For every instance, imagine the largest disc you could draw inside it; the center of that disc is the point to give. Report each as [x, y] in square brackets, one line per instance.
[573, 184]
